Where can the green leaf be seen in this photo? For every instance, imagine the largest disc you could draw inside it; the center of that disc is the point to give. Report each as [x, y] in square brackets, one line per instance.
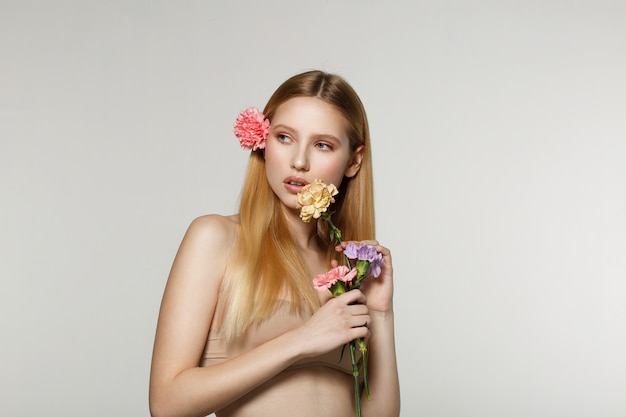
[337, 288]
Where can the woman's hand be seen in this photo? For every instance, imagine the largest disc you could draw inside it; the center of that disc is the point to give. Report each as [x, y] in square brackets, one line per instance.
[340, 320]
[379, 291]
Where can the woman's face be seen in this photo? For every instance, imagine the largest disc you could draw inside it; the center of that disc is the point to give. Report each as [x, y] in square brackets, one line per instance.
[307, 141]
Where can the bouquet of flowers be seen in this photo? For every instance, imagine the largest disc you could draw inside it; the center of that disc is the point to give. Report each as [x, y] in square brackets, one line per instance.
[361, 261]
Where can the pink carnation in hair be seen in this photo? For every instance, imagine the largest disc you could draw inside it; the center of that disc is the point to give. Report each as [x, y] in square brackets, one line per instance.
[252, 129]
[327, 279]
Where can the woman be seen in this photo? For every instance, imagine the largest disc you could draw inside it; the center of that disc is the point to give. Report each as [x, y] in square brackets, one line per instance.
[241, 331]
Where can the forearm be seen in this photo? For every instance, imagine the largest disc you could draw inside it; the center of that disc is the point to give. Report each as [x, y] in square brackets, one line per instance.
[202, 391]
[382, 368]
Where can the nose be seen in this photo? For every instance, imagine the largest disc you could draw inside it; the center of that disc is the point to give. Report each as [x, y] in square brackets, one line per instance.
[300, 160]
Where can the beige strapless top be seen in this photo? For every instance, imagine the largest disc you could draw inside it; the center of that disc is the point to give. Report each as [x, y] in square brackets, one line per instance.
[218, 350]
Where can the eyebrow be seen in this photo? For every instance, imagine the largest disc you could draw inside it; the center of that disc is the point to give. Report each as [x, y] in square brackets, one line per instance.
[316, 136]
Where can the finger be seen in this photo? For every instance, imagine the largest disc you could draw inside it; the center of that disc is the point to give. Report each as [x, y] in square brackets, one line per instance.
[352, 297]
[339, 247]
[360, 321]
[358, 309]
[380, 248]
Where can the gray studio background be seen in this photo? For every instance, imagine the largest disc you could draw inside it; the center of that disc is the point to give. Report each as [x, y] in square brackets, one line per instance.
[500, 161]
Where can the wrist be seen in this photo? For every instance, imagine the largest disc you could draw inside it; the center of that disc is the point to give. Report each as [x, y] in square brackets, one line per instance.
[377, 315]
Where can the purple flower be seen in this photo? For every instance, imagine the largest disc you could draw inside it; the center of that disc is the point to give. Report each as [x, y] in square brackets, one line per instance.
[375, 266]
[360, 252]
[365, 253]
[351, 250]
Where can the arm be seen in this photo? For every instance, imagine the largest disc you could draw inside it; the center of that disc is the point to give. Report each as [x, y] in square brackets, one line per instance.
[178, 387]
[382, 368]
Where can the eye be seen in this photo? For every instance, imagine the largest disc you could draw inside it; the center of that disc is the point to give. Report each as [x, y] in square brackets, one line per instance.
[324, 146]
[283, 138]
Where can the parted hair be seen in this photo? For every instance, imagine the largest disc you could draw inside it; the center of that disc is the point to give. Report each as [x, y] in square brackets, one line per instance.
[266, 264]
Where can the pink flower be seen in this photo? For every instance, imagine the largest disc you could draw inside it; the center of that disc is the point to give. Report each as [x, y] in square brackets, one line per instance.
[252, 129]
[327, 279]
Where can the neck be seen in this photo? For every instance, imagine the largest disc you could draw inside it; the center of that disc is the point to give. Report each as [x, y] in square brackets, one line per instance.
[304, 234]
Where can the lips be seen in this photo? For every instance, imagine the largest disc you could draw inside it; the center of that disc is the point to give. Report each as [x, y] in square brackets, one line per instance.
[294, 184]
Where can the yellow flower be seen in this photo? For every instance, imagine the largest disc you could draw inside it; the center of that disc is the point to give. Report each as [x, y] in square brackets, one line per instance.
[314, 199]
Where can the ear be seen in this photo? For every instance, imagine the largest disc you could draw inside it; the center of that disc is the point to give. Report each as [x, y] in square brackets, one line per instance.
[355, 162]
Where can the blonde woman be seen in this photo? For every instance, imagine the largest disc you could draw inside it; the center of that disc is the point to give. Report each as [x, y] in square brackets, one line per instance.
[241, 330]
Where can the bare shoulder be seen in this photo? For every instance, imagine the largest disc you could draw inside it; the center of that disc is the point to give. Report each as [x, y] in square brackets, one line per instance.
[214, 230]
[206, 246]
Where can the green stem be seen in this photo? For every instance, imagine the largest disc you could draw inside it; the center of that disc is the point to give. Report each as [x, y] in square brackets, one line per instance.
[355, 373]
[363, 349]
[336, 236]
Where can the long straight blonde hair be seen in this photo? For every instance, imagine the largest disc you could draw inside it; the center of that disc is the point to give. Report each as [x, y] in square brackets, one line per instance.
[266, 262]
